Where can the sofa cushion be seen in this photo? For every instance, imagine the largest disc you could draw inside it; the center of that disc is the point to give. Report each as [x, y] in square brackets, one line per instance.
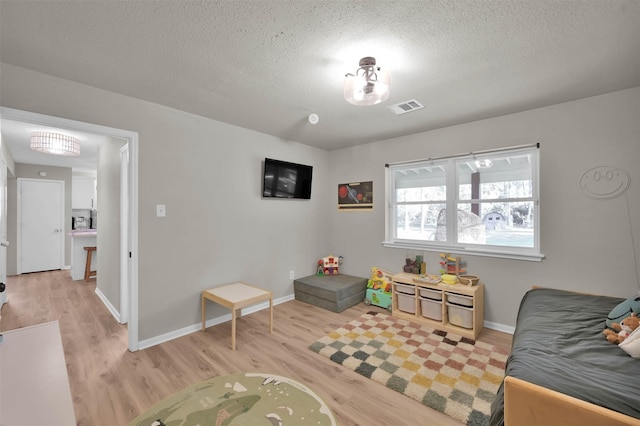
[332, 292]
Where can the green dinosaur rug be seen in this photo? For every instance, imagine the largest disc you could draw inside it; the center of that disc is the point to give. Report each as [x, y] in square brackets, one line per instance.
[241, 399]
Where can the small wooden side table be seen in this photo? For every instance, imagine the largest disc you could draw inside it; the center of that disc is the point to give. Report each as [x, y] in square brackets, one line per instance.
[235, 297]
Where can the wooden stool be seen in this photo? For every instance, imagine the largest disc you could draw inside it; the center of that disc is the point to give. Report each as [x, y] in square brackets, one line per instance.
[87, 269]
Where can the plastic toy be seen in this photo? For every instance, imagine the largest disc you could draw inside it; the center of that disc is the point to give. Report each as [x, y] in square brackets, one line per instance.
[417, 266]
[449, 279]
[329, 265]
[452, 265]
[380, 280]
[379, 289]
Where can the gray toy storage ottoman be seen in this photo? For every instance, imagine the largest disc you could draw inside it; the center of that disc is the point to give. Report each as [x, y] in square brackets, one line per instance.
[332, 292]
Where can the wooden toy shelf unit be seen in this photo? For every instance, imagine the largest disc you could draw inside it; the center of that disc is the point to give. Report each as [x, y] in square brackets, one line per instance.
[457, 308]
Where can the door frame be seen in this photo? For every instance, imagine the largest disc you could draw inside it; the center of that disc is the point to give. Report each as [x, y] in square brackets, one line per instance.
[19, 220]
[3, 223]
[124, 234]
[131, 139]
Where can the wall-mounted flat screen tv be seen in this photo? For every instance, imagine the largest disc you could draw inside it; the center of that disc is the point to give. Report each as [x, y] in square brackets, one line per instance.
[282, 179]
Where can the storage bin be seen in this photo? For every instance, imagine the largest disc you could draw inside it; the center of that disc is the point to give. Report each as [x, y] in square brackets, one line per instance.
[403, 288]
[431, 309]
[407, 303]
[431, 294]
[460, 299]
[460, 316]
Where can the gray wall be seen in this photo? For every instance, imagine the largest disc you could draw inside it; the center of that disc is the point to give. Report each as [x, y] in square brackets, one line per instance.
[108, 239]
[218, 229]
[587, 242]
[32, 172]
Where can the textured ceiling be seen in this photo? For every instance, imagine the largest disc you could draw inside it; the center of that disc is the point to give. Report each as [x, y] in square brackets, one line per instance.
[266, 65]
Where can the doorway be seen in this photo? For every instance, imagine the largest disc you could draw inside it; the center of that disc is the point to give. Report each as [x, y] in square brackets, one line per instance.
[40, 239]
[3, 229]
[131, 141]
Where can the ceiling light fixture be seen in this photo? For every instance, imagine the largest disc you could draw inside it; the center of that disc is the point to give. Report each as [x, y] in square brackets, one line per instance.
[369, 85]
[55, 143]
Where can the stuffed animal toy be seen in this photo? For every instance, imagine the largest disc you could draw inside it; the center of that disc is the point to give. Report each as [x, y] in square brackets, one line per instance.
[622, 330]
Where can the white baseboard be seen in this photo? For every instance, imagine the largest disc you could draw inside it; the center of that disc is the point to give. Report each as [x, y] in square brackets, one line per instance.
[108, 304]
[147, 343]
[499, 327]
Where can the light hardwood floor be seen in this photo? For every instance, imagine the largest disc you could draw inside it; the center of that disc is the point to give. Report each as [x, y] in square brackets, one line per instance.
[111, 386]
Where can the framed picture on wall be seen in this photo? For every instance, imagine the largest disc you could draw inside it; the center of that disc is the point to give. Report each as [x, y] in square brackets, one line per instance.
[355, 196]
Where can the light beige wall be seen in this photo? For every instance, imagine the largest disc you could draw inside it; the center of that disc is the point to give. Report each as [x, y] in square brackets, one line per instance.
[587, 242]
[32, 172]
[218, 229]
[108, 240]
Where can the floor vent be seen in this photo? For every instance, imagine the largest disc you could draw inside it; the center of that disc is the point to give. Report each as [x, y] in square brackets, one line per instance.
[406, 106]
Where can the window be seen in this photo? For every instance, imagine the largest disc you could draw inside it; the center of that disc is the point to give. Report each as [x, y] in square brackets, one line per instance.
[485, 204]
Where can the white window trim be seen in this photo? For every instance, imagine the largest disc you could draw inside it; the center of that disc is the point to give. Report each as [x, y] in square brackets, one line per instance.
[516, 253]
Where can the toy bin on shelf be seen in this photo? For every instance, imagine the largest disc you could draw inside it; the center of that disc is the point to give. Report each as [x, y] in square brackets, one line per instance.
[407, 303]
[431, 308]
[460, 299]
[431, 294]
[460, 316]
[406, 296]
[405, 289]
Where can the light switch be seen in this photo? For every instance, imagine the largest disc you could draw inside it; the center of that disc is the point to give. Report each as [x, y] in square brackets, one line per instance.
[161, 210]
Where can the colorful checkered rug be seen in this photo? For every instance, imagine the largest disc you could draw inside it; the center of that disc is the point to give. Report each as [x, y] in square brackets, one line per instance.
[455, 375]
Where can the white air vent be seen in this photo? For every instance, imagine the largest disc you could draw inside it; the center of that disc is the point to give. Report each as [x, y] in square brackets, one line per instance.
[406, 106]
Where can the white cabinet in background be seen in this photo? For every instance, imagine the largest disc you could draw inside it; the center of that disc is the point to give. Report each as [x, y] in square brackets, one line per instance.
[83, 193]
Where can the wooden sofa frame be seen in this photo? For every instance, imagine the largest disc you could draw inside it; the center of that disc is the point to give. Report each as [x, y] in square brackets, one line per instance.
[527, 404]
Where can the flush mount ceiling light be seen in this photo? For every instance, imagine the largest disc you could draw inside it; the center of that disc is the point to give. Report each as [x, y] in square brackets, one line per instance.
[55, 143]
[369, 85]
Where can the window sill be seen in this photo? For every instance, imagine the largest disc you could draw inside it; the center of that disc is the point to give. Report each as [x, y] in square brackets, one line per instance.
[531, 257]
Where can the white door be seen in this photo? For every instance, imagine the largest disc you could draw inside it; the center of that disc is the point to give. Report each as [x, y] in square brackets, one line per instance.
[40, 225]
